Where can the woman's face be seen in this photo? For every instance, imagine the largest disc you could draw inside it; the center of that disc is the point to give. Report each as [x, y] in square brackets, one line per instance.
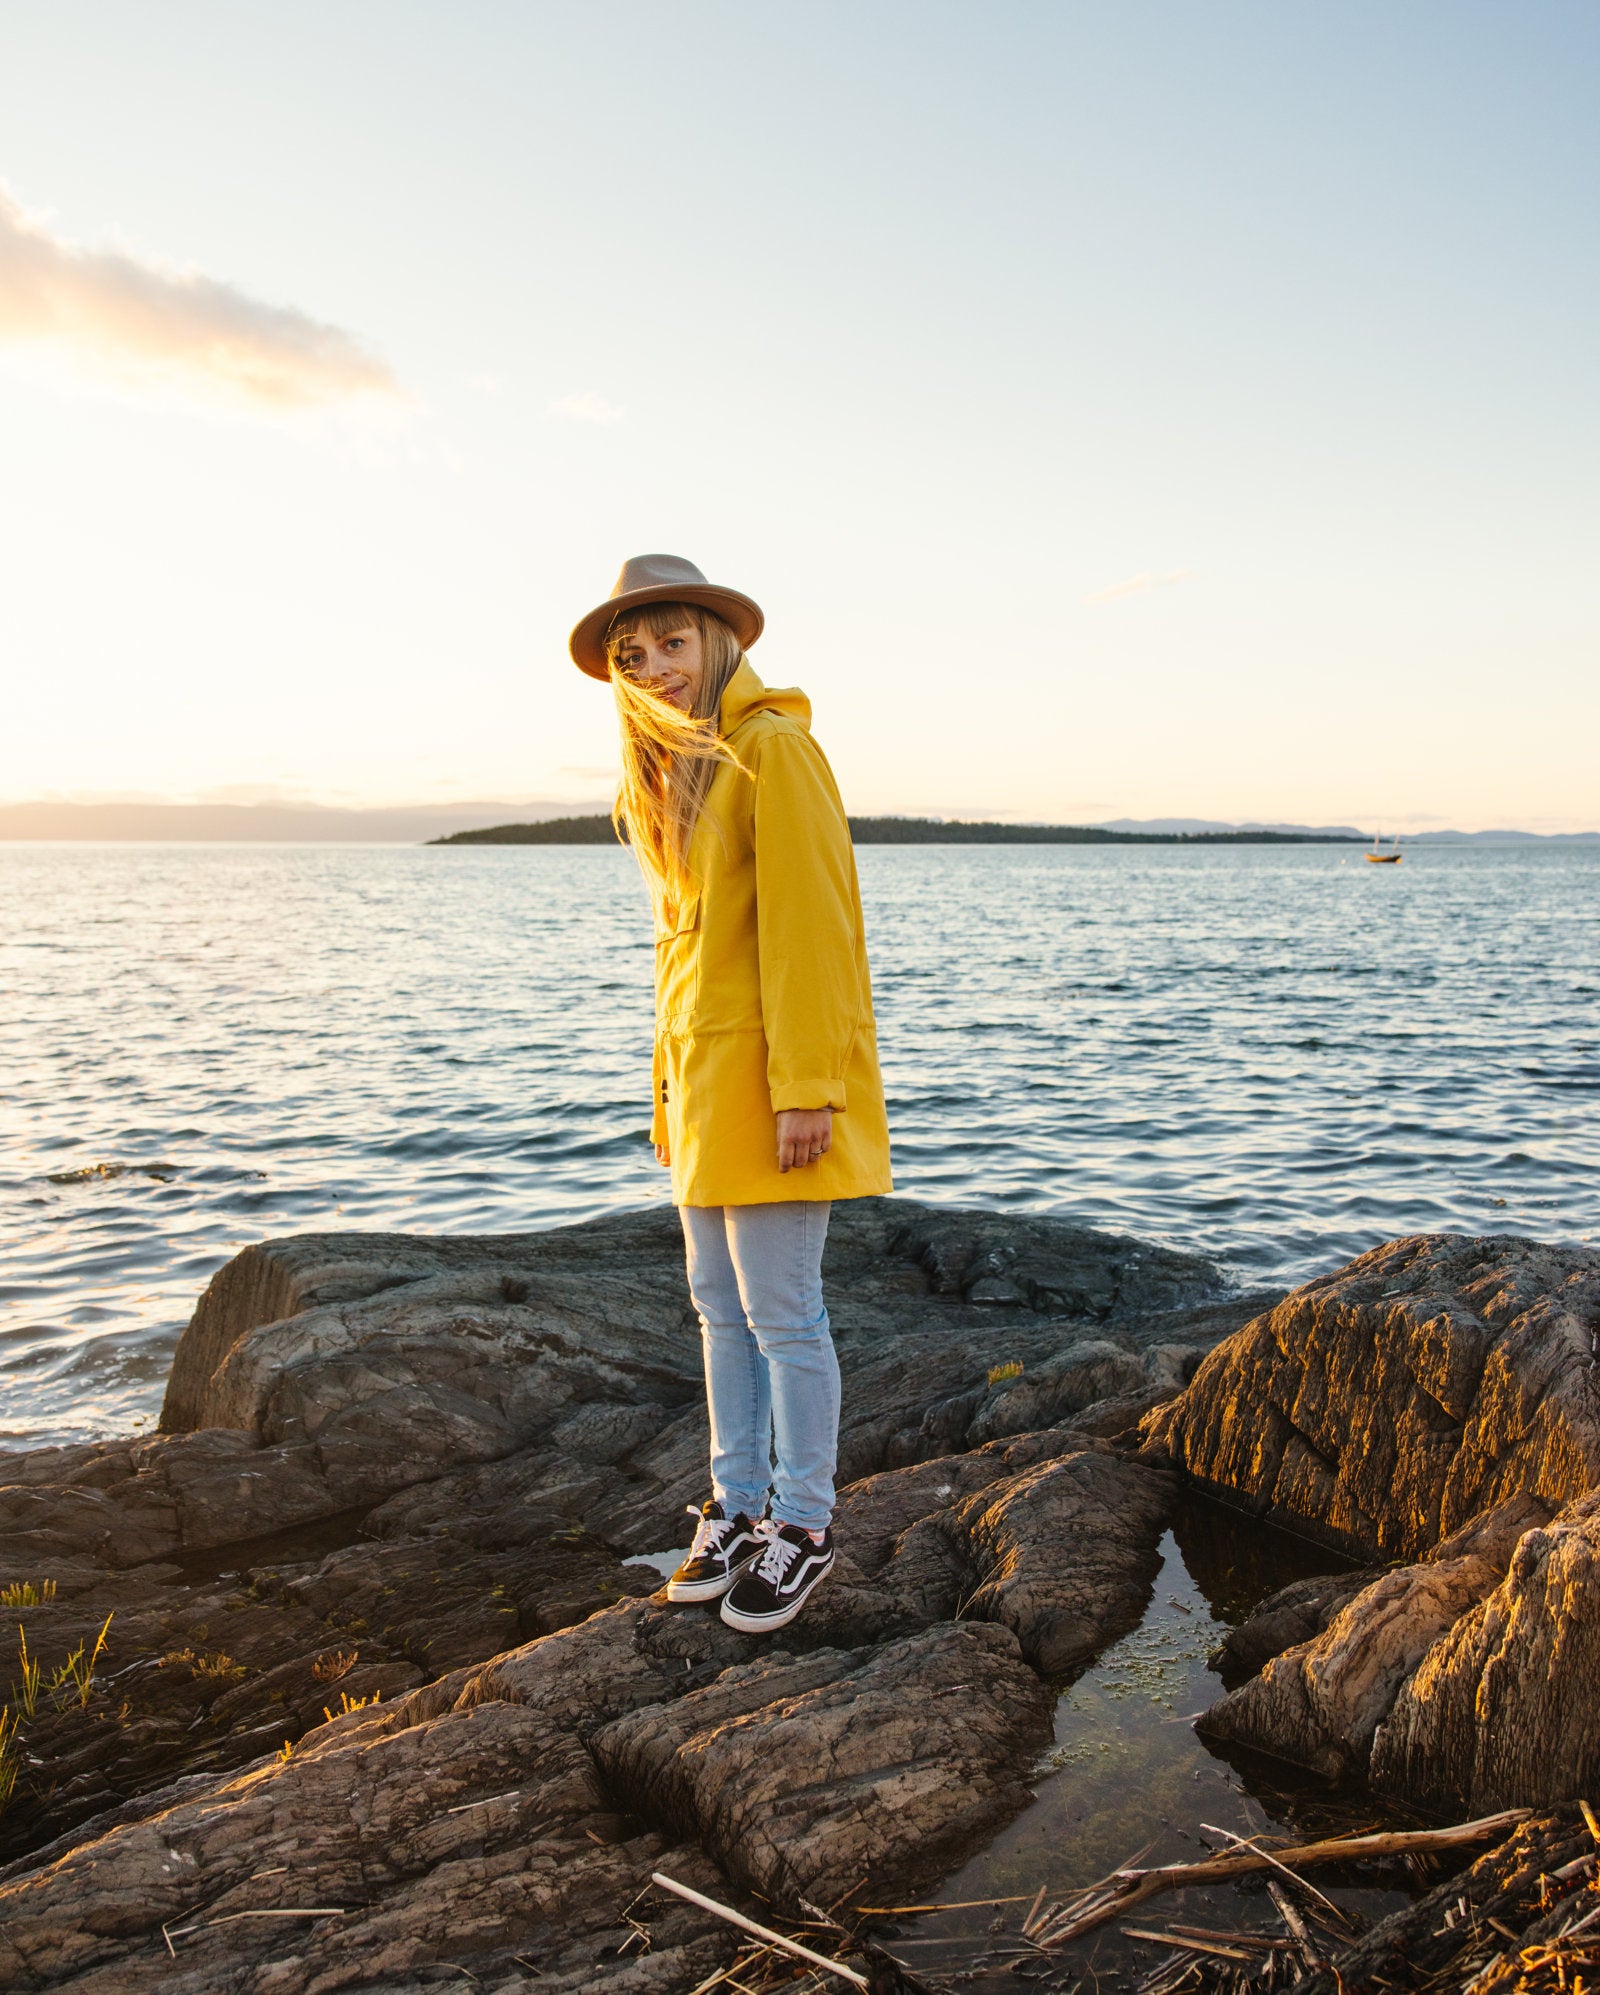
[670, 666]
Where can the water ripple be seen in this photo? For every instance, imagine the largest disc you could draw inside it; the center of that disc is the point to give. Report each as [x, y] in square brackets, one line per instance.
[1277, 1056]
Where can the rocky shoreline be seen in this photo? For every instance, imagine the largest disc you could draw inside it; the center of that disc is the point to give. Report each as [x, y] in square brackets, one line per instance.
[383, 1704]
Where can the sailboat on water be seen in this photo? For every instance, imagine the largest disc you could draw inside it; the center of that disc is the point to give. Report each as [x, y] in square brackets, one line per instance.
[1378, 857]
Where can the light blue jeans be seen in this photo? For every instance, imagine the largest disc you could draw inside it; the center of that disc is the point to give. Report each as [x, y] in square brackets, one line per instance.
[772, 1380]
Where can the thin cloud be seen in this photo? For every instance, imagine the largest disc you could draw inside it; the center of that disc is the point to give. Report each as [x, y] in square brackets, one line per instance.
[1136, 585]
[584, 406]
[155, 324]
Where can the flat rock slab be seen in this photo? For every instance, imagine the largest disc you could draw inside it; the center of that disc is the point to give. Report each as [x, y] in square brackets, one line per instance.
[388, 1358]
[504, 1810]
[1051, 1535]
[805, 1776]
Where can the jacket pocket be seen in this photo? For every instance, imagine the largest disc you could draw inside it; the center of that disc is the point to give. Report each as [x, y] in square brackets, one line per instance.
[678, 964]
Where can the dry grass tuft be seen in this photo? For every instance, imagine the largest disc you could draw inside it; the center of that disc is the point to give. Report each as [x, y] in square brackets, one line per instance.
[24, 1593]
[218, 1666]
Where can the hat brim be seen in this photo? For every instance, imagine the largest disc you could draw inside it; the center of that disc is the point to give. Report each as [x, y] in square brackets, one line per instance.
[588, 640]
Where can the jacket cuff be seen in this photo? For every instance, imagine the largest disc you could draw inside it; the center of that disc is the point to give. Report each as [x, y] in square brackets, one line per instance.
[809, 1094]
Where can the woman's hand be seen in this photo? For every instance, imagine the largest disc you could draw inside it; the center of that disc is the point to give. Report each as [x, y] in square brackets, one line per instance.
[663, 1155]
[804, 1135]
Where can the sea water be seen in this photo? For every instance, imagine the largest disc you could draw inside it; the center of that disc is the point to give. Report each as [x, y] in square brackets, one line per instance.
[1276, 1056]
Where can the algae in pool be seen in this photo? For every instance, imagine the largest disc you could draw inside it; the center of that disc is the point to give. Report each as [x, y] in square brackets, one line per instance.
[1128, 1778]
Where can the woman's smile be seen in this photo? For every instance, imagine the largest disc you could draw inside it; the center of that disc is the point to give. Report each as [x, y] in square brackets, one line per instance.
[670, 666]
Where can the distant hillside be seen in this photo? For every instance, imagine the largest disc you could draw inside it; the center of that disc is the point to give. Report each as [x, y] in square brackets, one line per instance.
[277, 824]
[489, 823]
[1166, 824]
[915, 831]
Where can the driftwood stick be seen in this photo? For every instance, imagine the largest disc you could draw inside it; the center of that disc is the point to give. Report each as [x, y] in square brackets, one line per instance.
[1252, 1843]
[1078, 1914]
[1184, 1944]
[761, 1932]
[1299, 1932]
[1263, 1942]
[1107, 1890]
[737, 1965]
[1096, 1905]
[958, 1905]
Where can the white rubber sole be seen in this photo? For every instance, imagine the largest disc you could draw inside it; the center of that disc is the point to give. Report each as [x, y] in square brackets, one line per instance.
[764, 1624]
[687, 1592]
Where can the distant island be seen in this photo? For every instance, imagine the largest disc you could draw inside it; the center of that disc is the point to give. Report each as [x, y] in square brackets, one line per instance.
[598, 830]
[534, 820]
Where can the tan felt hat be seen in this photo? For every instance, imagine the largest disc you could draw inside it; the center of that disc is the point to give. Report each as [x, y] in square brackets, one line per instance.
[659, 578]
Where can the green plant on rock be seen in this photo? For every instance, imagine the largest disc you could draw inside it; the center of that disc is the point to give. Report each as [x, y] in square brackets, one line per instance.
[24, 1593]
[999, 1374]
[25, 1695]
[10, 1755]
[77, 1675]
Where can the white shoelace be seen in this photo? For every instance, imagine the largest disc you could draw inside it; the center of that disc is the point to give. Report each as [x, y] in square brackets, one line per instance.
[709, 1533]
[780, 1554]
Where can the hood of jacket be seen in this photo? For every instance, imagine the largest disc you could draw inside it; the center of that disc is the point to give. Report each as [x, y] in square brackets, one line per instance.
[745, 696]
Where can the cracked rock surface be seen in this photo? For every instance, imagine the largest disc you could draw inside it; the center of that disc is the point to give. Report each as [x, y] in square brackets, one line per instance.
[377, 1661]
[1320, 1703]
[385, 1704]
[1382, 1407]
[1502, 1711]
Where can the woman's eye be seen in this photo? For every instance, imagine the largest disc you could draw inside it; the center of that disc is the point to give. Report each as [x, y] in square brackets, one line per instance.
[673, 644]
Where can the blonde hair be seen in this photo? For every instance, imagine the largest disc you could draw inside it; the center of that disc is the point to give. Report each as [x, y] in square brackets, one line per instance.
[669, 757]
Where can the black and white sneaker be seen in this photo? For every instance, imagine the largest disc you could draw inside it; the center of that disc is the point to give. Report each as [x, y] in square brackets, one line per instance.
[722, 1548]
[770, 1592]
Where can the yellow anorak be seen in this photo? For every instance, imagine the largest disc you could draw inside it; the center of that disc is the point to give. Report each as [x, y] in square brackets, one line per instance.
[763, 998]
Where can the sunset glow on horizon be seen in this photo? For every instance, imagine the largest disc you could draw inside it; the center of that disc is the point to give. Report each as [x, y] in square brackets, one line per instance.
[1117, 413]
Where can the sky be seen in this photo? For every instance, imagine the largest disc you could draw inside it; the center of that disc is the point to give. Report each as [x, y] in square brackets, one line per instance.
[1119, 410]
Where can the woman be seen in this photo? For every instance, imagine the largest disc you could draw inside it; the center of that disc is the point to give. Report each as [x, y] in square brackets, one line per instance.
[766, 1063]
